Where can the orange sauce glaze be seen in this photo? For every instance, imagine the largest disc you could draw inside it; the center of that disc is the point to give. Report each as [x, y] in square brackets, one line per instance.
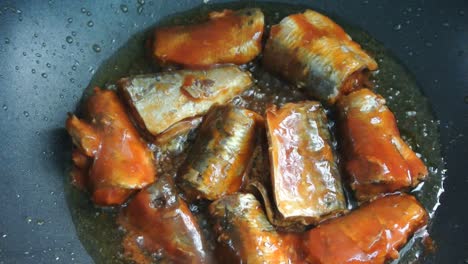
[159, 225]
[121, 162]
[370, 234]
[377, 159]
[220, 40]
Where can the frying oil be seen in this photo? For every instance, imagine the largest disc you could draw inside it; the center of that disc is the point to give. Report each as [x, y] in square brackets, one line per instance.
[96, 227]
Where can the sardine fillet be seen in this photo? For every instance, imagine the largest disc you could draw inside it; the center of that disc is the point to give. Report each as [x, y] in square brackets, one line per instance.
[227, 37]
[158, 222]
[312, 51]
[372, 233]
[121, 163]
[163, 99]
[242, 226]
[377, 160]
[221, 154]
[304, 174]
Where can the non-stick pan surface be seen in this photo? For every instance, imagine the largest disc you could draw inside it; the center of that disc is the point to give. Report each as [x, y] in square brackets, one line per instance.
[50, 49]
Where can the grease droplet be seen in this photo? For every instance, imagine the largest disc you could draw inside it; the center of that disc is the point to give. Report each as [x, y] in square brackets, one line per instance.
[26, 113]
[397, 27]
[96, 48]
[70, 20]
[33, 71]
[140, 9]
[7, 40]
[5, 107]
[141, 2]
[69, 39]
[88, 13]
[124, 8]
[44, 75]
[90, 23]
[83, 10]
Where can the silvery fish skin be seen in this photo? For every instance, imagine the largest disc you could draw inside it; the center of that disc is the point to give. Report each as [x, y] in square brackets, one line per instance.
[242, 227]
[313, 52]
[163, 99]
[304, 174]
[160, 227]
[227, 37]
[376, 158]
[221, 154]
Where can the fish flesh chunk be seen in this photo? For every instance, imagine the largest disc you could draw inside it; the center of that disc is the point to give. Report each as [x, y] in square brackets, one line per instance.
[372, 233]
[221, 154]
[244, 231]
[121, 161]
[227, 37]
[159, 227]
[314, 53]
[376, 158]
[305, 179]
[160, 100]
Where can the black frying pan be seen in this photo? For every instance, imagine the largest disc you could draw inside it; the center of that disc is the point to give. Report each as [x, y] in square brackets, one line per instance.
[43, 75]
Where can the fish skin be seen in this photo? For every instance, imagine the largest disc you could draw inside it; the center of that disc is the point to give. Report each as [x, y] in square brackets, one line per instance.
[376, 159]
[306, 183]
[121, 161]
[241, 225]
[227, 37]
[314, 53]
[221, 154]
[160, 100]
[370, 234]
[157, 220]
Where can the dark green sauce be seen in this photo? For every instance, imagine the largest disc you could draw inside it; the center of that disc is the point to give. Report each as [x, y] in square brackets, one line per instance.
[96, 227]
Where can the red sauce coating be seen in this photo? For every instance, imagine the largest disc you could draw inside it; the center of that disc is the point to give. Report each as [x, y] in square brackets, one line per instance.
[160, 225]
[377, 159]
[121, 162]
[370, 234]
[227, 37]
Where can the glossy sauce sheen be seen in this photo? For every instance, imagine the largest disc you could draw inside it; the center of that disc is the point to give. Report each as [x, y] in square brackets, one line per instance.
[312, 51]
[160, 227]
[242, 227]
[121, 162]
[227, 37]
[304, 174]
[221, 154]
[372, 233]
[377, 160]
